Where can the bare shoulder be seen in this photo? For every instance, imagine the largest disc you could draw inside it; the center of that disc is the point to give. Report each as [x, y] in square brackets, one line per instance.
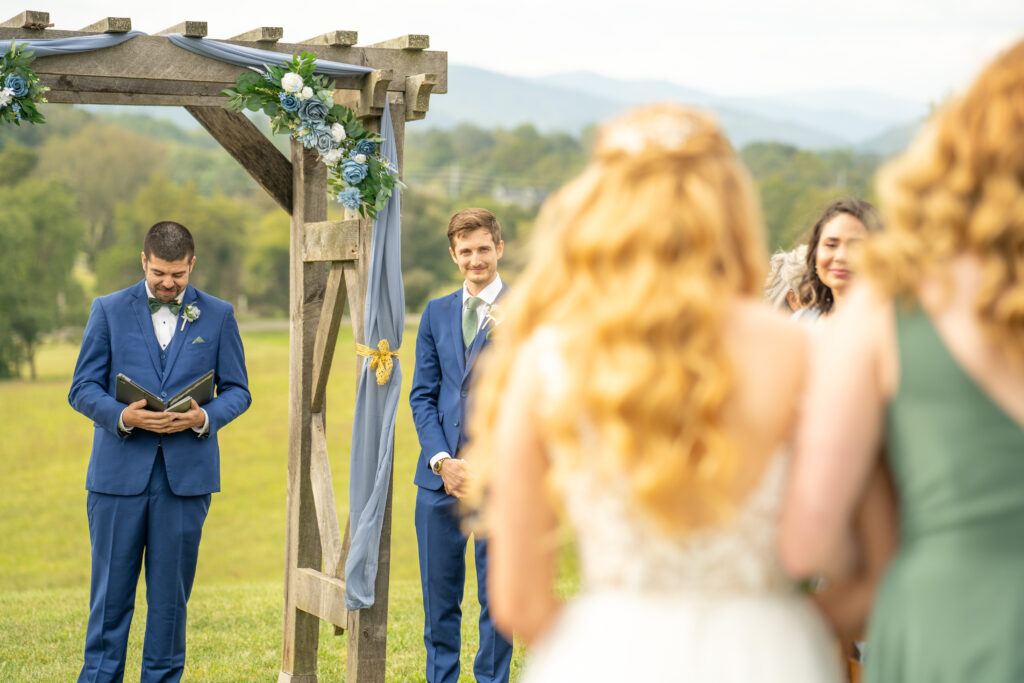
[769, 355]
[756, 331]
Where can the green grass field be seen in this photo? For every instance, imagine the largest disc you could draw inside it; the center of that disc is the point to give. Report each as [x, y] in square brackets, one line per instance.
[234, 630]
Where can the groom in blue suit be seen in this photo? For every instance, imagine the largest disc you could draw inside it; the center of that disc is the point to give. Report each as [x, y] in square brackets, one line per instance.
[452, 332]
[151, 473]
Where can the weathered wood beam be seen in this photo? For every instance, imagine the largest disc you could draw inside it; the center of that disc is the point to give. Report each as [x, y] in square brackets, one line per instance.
[417, 95]
[322, 596]
[129, 86]
[306, 285]
[263, 34]
[327, 333]
[33, 21]
[332, 241]
[413, 41]
[323, 497]
[251, 148]
[71, 97]
[110, 25]
[156, 58]
[189, 29]
[335, 38]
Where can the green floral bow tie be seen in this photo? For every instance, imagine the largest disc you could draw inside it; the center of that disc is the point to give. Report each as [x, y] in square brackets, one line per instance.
[155, 304]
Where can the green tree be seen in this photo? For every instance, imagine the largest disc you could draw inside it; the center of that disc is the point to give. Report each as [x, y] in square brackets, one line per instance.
[104, 165]
[218, 224]
[41, 234]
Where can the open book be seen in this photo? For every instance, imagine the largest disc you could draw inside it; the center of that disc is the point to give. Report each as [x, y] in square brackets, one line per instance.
[201, 390]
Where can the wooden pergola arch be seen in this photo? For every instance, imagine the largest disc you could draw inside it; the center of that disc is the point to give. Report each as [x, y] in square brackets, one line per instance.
[329, 266]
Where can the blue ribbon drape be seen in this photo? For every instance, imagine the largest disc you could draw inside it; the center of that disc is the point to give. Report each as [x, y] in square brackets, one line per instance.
[373, 427]
[239, 55]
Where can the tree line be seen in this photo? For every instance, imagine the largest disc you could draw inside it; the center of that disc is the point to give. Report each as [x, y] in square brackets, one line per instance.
[77, 193]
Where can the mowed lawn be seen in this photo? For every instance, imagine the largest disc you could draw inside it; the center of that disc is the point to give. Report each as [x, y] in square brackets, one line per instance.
[234, 629]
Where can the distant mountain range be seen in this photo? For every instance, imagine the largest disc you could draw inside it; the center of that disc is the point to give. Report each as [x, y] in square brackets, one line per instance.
[860, 120]
[570, 102]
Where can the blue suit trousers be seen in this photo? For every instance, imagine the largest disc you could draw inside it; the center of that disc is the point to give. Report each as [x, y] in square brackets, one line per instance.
[161, 530]
[442, 554]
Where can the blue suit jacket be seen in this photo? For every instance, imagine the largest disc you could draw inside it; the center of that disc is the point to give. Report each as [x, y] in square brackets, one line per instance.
[118, 338]
[440, 381]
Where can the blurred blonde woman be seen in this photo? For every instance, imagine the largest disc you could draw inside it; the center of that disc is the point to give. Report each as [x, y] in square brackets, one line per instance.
[932, 348]
[624, 392]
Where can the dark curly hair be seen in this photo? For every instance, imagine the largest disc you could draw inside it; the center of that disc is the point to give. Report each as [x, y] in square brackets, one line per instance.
[818, 294]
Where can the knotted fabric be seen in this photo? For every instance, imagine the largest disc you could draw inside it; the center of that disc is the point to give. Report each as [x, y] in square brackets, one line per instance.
[470, 319]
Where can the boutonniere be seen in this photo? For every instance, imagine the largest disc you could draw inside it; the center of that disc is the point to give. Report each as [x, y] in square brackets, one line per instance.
[189, 315]
[493, 318]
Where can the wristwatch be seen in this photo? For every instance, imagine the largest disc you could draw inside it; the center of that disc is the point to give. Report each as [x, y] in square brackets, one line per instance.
[437, 464]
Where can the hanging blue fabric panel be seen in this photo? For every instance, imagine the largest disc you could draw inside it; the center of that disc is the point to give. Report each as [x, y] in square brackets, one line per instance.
[254, 57]
[373, 428]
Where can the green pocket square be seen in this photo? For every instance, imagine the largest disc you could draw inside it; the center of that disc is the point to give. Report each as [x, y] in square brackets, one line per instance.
[198, 340]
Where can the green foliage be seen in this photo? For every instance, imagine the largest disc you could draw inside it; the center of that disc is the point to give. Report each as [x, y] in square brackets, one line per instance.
[41, 237]
[265, 91]
[795, 185]
[16, 163]
[15, 64]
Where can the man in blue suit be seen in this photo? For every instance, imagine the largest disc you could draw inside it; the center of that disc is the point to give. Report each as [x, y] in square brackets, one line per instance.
[453, 330]
[151, 473]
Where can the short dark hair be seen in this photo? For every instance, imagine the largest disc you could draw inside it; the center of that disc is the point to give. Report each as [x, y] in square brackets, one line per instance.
[468, 220]
[169, 241]
[818, 294]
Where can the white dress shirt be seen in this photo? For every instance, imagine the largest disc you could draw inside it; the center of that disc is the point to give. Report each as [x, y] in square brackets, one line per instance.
[488, 294]
[163, 327]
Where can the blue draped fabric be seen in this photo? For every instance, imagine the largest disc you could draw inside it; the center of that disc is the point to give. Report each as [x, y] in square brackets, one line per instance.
[254, 57]
[50, 47]
[373, 428]
[224, 52]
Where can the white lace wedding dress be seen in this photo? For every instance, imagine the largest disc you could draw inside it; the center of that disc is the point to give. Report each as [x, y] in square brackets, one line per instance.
[712, 605]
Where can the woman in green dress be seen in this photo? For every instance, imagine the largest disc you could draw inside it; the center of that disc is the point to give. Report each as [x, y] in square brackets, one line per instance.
[927, 358]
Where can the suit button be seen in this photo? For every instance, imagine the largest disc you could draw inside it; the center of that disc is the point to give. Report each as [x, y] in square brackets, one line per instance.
[456, 423]
[465, 394]
[164, 394]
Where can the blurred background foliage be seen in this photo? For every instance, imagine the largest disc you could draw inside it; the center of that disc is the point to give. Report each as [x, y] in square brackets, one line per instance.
[78, 193]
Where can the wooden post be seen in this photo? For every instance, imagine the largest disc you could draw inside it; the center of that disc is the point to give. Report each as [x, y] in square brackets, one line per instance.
[307, 285]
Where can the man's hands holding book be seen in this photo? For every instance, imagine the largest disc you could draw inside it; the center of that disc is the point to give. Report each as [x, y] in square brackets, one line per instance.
[137, 415]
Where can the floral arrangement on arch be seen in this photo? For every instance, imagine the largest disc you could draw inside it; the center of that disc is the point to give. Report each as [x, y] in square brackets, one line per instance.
[20, 89]
[301, 103]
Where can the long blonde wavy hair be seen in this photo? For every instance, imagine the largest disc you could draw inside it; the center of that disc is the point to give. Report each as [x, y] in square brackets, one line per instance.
[633, 263]
[960, 189]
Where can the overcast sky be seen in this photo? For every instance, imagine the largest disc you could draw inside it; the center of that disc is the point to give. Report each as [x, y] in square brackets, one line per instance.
[916, 49]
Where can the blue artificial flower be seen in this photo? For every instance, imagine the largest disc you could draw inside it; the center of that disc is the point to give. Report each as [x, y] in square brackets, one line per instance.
[288, 102]
[366, 146]
[324, 141]
[17, 84]
[353, 172]
[351, 197]
[314, 111]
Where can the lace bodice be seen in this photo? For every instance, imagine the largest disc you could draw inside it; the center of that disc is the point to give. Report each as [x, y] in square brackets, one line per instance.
[622, 548]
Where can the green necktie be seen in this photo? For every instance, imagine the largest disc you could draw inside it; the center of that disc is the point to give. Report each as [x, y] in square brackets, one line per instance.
[470, 320]
[155, 304]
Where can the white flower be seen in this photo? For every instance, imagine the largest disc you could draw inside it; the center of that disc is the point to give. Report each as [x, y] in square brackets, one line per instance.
[6, 95]
[306, 93]
[190, 314]
[333, 157]
[359, 158]
[291, 82]
[338, 133]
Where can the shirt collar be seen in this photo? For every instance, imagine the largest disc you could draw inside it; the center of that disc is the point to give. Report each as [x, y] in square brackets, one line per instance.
[488, 293]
